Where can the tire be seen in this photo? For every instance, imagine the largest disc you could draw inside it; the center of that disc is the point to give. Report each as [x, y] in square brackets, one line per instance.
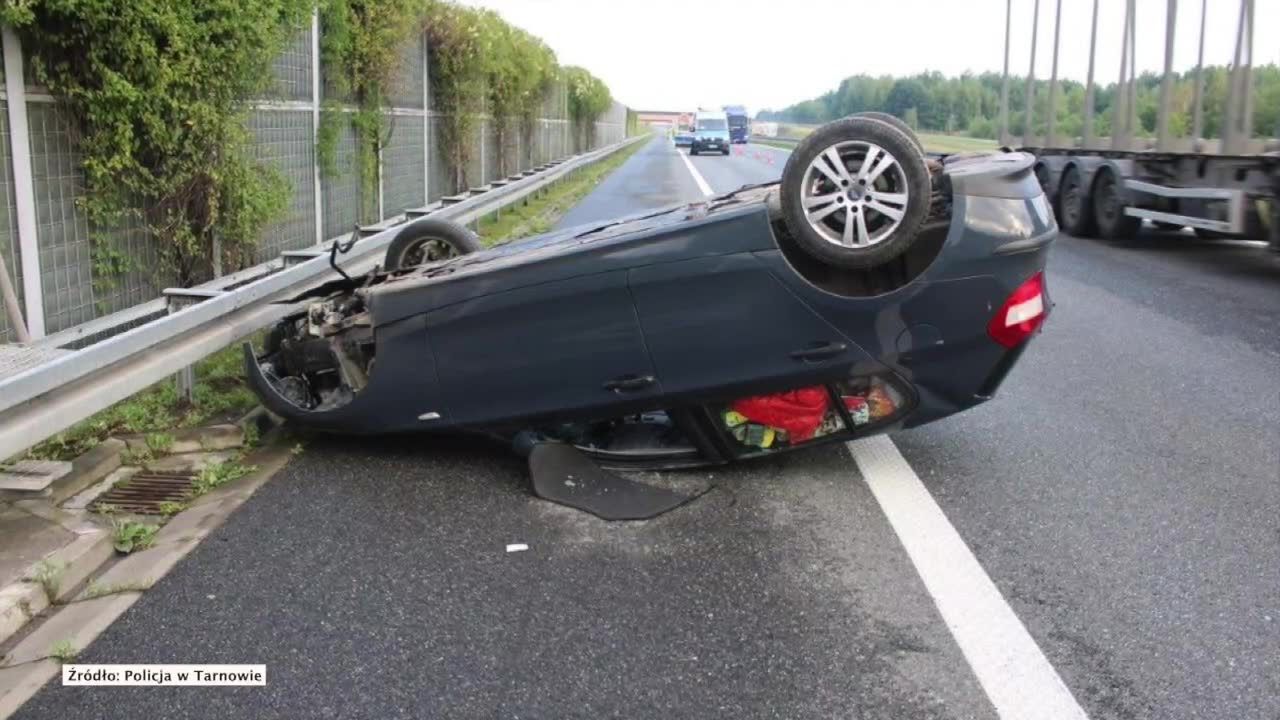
[411, 245]
[1076, 215]
[831, 231]
[693, 150]
[724, 151]
[895, 121]
[1043, 177]
[1108, 208]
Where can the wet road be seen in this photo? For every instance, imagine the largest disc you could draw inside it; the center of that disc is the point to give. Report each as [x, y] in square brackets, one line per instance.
[1122, 494]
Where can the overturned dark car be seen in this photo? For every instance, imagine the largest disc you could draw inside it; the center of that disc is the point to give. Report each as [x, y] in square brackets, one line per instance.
[873, 288]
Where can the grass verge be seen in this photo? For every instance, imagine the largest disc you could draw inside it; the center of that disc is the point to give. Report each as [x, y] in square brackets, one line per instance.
[933, 142]
[220, 394]
[537, 215]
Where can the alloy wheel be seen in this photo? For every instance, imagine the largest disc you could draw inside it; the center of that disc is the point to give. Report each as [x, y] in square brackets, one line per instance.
[854, 194]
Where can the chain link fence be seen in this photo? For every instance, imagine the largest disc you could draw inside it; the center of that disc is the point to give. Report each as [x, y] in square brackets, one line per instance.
[75, 287]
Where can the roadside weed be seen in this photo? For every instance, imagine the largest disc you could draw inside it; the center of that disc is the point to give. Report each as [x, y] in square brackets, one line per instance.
[169, 507]
[131, 535]
[219, 474]
[96, 591]
[159, 443]
[49, 576]
[64, 652]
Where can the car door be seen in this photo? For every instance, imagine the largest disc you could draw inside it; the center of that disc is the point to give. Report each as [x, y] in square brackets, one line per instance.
[561, 347]
[726, 322]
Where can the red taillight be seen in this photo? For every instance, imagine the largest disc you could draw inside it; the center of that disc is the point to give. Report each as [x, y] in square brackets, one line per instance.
[1021, 315]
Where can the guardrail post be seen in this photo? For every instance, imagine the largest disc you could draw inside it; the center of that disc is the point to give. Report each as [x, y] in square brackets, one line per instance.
[184, 381]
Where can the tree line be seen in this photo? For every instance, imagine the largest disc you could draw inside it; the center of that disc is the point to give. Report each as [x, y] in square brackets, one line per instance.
[970, 103]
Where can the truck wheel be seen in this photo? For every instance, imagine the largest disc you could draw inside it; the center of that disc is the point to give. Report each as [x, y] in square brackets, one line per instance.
[1077, 211]
[855, 192]
[1043, 177]
[428, 240]
[895, 121]
[1108, 208]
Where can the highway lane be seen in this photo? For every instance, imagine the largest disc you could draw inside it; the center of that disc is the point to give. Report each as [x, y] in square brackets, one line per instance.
[1123, 489]
[1121, 492]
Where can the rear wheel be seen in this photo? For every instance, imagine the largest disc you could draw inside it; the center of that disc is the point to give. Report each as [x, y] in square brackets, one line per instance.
[1108, 207]
[429, 240]
[693, 150]
[1076, 210]
[855, 192]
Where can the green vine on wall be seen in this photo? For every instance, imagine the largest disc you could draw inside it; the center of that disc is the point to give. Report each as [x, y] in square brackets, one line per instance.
[157, 92]
[588, 98]
[361, 45]
[460, 52]
[521, 71]
[478, 64]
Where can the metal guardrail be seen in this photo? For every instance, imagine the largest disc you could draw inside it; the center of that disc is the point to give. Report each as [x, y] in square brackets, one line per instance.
[41, 401]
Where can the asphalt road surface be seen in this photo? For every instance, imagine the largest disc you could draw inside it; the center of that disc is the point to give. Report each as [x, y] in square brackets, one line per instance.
[1122, 495]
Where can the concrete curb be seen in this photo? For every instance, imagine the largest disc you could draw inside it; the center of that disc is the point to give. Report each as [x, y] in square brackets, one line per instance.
[18, 684]
[27, 666]
[192, 440]
[21, 601]
[87, 469]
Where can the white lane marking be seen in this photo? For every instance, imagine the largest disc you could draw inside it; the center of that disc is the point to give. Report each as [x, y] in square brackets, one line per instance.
[1011, 668]
[697, 176]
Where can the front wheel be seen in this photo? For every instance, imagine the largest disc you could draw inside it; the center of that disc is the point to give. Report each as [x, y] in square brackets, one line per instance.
[428, 240]
[855, 192]
[693, 150]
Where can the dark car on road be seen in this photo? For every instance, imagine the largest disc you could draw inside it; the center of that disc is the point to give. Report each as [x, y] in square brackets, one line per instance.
[873, 288]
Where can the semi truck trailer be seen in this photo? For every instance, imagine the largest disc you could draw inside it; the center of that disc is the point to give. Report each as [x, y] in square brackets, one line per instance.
[1106, 186]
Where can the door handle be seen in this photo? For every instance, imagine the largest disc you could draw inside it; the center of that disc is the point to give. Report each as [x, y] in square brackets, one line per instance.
[629, 383]
[819, 351]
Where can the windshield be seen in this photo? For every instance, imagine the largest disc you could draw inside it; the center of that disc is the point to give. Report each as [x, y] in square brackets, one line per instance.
[737, 122]
[711, 124]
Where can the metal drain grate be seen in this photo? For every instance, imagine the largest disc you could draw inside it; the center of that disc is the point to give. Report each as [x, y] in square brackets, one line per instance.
[144, 492]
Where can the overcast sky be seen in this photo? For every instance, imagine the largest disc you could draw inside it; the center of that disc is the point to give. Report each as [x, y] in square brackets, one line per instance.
[680, 54]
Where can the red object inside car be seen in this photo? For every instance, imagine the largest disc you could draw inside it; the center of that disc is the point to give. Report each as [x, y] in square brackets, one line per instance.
[799, 412]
